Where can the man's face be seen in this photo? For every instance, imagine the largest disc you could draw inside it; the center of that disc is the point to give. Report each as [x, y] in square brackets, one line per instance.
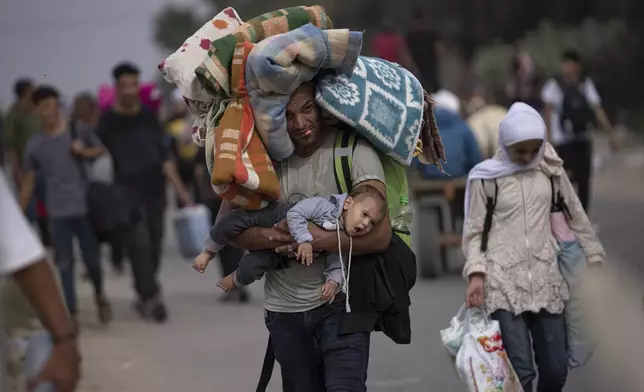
[127, 88]
[570, 70]
[303, 116]
[85, 111]
[49, 111]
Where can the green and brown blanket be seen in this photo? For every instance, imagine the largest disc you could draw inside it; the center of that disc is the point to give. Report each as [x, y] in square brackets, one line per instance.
[230, 125]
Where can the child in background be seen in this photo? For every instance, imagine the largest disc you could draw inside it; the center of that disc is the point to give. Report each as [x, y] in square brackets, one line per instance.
[355, 213]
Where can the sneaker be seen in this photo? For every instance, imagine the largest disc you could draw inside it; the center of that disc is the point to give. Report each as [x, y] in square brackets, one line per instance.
[244, 297]
[159, 313]
[152, 308]
[104, 310]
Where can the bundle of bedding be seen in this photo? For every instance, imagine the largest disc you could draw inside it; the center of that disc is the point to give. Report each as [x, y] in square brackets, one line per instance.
[387, 105]
[239, 95]
[240, 167]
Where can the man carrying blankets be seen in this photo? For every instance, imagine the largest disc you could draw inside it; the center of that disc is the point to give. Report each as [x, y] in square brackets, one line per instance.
[317, 348]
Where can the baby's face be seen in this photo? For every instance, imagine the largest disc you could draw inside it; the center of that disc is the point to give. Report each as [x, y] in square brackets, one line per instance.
[361, 216]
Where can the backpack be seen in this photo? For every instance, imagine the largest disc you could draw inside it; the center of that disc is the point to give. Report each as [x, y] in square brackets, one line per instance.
[576, 114]
[385, 279]
[109, 207]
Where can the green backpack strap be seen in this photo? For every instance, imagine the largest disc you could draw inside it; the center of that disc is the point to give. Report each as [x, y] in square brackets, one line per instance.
[395, 174]
[345, 144]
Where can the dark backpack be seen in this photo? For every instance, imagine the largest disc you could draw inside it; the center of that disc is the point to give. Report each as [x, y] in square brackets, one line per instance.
[558, 204]
[383, 280]
[109, 206]
[576, 115]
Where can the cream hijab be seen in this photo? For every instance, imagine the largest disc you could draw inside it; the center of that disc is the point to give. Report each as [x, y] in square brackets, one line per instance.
[520, 124]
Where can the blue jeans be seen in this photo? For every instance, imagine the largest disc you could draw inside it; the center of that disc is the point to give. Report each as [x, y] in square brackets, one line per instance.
[64, 230]
[312, 354]
[548, 332]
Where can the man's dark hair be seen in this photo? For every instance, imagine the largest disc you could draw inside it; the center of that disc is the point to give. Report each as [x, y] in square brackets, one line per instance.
[366, 191]
[125, 69]
[22, 86]
[85, 97]
[45, 92]
[571, 55]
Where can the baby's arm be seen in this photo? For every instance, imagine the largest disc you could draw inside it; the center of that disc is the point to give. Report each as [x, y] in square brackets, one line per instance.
[299, 215]
[333, 271]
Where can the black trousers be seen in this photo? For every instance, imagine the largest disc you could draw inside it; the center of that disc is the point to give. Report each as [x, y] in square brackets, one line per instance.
[152, 220]
[578, 163]
[229, 256]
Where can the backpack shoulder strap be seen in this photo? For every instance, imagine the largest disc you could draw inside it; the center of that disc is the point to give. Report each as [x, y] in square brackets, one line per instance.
[557, 199]
[74, 133]
[490, 205]
[343, 148]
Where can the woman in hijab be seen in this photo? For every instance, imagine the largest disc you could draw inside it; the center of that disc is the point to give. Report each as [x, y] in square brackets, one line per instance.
[511, 262]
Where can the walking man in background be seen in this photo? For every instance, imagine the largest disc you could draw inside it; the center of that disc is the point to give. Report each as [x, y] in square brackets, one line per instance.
[572, 107]
[59, 159]
[137, 142]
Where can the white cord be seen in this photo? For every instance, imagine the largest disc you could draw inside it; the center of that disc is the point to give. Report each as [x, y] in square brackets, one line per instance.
[347, 275]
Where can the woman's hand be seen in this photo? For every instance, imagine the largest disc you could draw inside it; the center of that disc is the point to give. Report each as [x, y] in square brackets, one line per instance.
[475, 296]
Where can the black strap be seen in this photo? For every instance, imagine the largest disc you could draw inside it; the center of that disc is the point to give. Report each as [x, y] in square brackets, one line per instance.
[490, 205]
[267, 367]
[557, 200]
[346, 168]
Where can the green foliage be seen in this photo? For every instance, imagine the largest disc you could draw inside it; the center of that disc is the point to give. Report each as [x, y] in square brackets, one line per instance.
[174, 24]
[599, 42]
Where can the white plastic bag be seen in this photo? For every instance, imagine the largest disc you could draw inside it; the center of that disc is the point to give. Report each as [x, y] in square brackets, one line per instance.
[452, 337]
[193, 227]
[482, 362]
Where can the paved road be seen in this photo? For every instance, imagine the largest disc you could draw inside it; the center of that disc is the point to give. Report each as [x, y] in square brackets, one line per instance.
[208, 346]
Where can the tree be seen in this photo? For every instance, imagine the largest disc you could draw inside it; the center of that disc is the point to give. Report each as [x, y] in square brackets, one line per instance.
[174, 24]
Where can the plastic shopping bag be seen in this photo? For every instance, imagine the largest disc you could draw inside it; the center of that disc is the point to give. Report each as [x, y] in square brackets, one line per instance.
[452, 337]
[482, 362]
[193, 228]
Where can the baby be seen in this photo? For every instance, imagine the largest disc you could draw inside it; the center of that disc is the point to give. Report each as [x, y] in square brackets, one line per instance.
[355, 213]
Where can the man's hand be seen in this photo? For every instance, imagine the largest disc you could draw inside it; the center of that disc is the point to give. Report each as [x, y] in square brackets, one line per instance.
[185, 199]
[62, 368]
[282, 226]
[260, 238]
[77, 147]
[305, 253]
[323, 241]
[613, 142]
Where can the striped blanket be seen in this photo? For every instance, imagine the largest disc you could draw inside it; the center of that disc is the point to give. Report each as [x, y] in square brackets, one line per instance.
[241, 170]
[383, 102]
[220, 74]
[278, 65]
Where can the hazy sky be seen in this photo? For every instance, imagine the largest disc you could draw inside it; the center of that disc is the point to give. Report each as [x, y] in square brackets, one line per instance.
[73, 44]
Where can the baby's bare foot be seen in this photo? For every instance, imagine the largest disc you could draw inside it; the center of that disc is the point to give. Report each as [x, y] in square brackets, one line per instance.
[228, 283]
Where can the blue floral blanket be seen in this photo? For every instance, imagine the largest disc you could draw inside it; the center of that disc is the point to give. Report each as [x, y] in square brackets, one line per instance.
[382, 101]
